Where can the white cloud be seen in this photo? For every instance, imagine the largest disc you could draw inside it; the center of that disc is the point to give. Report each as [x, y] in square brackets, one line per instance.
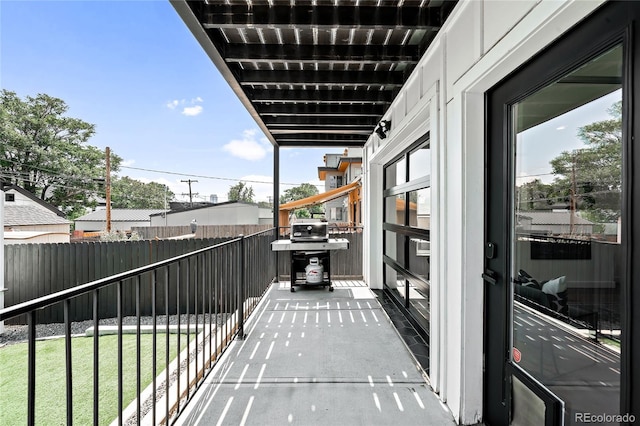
[192, 111]
[248, 148]
[561, 128]
[524, 178]
[189, 108]
[127, 163]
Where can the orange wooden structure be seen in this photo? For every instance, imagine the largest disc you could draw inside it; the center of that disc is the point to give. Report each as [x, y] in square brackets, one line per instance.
[352, 190]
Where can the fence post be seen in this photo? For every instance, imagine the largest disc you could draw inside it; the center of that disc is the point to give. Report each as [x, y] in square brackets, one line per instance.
[243, 264]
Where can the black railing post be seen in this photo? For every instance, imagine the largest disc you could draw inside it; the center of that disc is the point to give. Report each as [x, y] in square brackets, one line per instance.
[96, 363]
[154, 343]
[138, 349]
[31, 374]
[120, 349]
[68, 362]
[166, 344]
[243, 276]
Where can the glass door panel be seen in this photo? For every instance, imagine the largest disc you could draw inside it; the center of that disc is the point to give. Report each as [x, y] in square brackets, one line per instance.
[566, 239]
[406, 227]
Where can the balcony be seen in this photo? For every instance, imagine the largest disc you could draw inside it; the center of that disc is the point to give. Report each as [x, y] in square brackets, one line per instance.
[315, 357]
[248, 350]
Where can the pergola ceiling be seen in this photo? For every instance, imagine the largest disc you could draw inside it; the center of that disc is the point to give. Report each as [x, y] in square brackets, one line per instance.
[315, 72]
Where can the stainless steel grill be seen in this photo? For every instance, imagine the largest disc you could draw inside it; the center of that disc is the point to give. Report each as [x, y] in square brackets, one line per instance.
[310, 232]
[309, 250]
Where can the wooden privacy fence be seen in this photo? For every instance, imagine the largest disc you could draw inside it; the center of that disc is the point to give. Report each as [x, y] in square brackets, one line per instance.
[202, 231]
[35, 270]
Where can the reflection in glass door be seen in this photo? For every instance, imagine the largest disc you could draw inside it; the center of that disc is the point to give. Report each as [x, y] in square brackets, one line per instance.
[566, 237]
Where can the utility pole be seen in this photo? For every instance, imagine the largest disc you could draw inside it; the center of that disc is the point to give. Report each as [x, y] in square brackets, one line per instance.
[573, 200]
[166, 188]
[189, 181]
[108, 188]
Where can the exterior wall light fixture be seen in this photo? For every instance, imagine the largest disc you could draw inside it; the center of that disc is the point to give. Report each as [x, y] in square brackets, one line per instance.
[382, 128]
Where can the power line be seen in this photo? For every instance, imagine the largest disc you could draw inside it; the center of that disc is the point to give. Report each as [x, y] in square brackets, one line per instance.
[26, 173]
[90, 192]
[204, 176]
[57, 173]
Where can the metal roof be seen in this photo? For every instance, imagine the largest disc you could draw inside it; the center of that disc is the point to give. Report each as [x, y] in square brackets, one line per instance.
[120, 215]
[553, 218]
[315, 72]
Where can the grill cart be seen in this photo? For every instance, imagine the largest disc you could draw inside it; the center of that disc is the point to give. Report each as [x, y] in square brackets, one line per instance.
[309, 248]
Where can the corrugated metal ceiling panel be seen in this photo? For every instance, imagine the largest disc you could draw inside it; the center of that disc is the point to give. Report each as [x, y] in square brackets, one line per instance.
[330, 60]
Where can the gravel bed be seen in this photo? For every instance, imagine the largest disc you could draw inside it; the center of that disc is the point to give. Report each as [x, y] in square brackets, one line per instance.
[19, 333]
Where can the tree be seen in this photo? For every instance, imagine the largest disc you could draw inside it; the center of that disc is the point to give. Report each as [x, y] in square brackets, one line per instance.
[592, 176]
[46, 153]
[298, 193]
[535, 195]
[127, 193]
[241, 192]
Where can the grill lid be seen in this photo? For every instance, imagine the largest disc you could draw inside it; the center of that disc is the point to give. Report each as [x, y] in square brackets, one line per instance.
[310, 231]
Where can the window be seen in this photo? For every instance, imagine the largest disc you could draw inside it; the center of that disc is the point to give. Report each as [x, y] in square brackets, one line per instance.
[335, 182]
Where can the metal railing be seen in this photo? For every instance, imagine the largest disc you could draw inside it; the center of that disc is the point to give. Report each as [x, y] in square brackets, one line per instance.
[208, 293]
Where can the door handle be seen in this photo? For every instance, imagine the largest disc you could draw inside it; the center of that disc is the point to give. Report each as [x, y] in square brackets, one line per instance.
[489, 276]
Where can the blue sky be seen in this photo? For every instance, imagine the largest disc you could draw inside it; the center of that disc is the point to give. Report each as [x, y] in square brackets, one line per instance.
[134, 70]
[539, 145]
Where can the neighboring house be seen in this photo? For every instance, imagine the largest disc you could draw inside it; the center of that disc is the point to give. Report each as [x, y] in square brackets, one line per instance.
[340, 170]
[553, 223]
[28, 219]
[121, 219]
[227, 213]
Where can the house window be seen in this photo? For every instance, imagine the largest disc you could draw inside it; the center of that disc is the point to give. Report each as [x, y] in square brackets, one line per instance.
[9, 198]
[333, 182]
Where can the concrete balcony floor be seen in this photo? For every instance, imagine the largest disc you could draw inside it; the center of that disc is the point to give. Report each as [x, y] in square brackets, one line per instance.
[316, 357]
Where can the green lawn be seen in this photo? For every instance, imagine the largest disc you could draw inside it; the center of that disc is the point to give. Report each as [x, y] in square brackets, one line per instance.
[50, 378]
